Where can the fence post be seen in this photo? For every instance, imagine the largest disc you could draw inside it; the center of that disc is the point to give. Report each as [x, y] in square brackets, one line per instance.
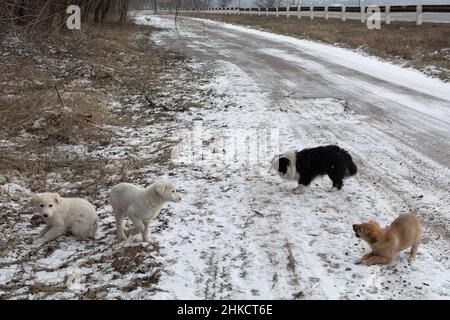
[326, 12]
[343, 13]
[363, 14]
[311, 12]
[287, 11]
[267, 12]
[388, 14]
[277, 12]
[419, 15]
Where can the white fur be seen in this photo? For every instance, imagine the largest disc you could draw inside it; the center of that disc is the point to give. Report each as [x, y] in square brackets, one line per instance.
[291, 173]
[300, 189]
[63, 215]
[141, 205]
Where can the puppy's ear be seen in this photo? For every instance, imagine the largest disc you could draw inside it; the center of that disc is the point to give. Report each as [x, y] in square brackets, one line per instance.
[161, 187]
[35, 199]
[57, 197]
[283, 163]
[372, 237]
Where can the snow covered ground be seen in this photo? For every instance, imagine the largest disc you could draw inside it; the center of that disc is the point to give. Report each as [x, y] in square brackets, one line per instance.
[254, 238]
[240, 232]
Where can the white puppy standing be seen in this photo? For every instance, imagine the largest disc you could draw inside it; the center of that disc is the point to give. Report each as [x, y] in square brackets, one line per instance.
[62, 215]
[141, 205]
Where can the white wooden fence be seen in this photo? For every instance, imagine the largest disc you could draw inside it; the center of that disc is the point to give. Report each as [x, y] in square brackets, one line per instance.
[417, 13]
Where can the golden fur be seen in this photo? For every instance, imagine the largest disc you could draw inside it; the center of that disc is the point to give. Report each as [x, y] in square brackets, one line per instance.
[403, 233]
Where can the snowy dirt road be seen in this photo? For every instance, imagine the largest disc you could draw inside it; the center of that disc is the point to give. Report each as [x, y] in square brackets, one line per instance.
[243, 234]
[240, 232]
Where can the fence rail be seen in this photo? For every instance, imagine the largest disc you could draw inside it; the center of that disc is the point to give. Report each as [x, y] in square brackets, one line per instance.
[417, 13]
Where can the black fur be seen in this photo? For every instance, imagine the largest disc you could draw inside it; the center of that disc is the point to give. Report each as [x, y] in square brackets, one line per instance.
[330, 160]
[283, 164]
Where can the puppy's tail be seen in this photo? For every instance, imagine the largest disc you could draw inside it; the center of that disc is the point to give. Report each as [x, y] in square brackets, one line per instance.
[352, 168]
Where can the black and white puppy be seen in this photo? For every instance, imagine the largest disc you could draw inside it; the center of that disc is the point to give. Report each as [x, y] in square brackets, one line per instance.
[307, 164]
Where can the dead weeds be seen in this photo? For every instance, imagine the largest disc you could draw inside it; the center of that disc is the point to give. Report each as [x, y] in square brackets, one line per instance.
[68, 105]
[56, 92]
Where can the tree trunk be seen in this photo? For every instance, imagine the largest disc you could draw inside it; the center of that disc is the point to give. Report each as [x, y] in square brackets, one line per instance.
[123, 10]
[105, 9]
[98, 11]
[85, 6]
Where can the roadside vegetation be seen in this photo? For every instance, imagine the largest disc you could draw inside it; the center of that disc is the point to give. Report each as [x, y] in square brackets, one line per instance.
[79, 112]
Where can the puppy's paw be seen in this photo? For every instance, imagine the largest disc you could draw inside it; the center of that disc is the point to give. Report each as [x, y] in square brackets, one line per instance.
[299, 190]
[146, 239]
[333, 189]
[361, 261]
[412, 257]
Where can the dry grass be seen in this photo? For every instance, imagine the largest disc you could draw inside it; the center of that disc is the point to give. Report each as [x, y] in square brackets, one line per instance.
[54, 92]
[417, 46]
[69, 120]
[72, 112]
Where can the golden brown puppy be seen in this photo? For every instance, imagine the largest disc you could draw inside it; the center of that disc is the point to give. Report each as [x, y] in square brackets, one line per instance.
[403, 233]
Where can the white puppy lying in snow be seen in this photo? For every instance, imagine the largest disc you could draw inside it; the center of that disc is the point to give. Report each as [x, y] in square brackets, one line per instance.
[62, 215]
[140, 205]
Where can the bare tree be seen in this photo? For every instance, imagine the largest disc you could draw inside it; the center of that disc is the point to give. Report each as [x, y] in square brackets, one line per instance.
[224, 3]
[101, 10]
[270, 3]
[35, 13]
[123, 10]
